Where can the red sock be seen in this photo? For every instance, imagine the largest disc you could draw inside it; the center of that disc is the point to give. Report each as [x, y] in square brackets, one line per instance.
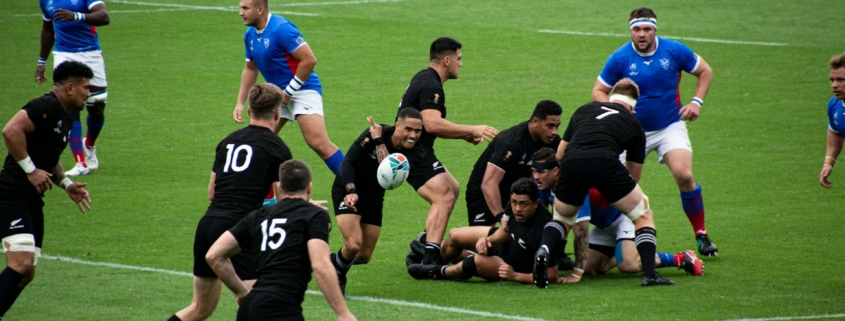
[89, 141]
[679, 258]
[80, 158]
[270, 195]
[697, 223]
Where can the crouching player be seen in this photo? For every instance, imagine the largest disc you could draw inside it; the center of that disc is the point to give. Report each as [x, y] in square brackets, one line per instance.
[359, 199]
[506, 254]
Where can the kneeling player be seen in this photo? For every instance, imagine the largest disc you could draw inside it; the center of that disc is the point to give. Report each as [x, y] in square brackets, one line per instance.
[506, 254]
[357, 196]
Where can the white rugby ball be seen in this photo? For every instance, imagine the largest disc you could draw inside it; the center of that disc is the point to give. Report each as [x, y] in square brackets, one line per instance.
[393, 171]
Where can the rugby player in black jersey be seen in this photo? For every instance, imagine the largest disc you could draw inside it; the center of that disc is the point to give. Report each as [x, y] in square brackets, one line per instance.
[597, 133]
[290, 240]
[425, 94]
[245, 166]
[35, 138]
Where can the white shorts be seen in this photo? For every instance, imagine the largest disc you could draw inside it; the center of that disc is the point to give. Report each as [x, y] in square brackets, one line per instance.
[93, 59]
[303, 102]
[675, 136]
[622, 229]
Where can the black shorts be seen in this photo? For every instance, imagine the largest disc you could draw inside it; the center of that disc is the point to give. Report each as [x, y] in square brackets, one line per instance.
[606, 175]
[429, 167]
[369, 206]
[19, 219]
[608, 251]
[478, 214]
[209, 230]
[267, 306]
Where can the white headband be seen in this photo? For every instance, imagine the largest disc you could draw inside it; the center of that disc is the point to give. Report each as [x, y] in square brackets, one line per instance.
[624, 99]
[643, 21]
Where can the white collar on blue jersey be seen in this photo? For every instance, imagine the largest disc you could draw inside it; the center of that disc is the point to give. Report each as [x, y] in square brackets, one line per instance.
[269, 16]
[648, 54]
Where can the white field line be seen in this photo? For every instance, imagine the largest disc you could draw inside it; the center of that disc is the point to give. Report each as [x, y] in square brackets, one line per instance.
[301, 4]
[312, 292]
[620, 35]
[809, 317]
[114, 11]
[189, 7]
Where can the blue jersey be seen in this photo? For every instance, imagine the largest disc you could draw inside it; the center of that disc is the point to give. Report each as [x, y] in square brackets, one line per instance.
[836, 116]
[600, 213]
[271, 51]
[72, 36]
[658, 74]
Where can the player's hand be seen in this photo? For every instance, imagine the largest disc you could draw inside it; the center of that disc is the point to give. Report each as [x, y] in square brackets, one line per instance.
[39, 75]
[690, 112]
[350, 201]
[320, 203]
[285, 98]
[572, 278]
[506, 272]
[62, 15]
[346, 317]
[40, 179]
[826, 170]
[484, 132]
[375, 130]
[482, 245]
[474, 140]
[504, 223]
[79, 196]
[238, 113]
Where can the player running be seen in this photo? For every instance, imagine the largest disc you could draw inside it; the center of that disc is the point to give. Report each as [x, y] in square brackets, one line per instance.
[425, 94]
[359, 199]
[245, 166]
[290, 241]
[655, 64]
[70, 29]
[835, 126]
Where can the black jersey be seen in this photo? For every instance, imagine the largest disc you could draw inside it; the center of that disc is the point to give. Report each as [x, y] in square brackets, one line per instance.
[511, 151]
[360, 164]
[279, 235]
[44, 145]
[525, 239]
[246, 164]
[425, 92]
[604, 130]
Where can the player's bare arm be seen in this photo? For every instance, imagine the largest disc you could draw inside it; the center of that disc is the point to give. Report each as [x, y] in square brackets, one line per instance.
[97, 15]
[218, 258]
[375, 133]
[498, 238]
[434, 123]
[211, 185]
[506, 272]
[48, 36]
[704, 75]
[307, 61]
[75, 190]
[324, 272]
[582, 243]
[834, 148]
[635, 169]
[600, 92]
[493, 175]
[14, 134]
[248, 78]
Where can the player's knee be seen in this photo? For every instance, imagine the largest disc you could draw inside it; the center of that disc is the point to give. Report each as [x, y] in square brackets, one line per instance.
[363, 258]
[629, 267]
[352, 246]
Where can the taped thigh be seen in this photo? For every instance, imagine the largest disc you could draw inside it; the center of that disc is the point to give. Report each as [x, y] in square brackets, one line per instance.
[568, 220]
[22, 243]
[639, 210]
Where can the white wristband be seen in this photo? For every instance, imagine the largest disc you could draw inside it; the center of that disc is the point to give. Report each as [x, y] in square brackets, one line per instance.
[697, 101]
[293, 86]
[27, 165]
[65, 183]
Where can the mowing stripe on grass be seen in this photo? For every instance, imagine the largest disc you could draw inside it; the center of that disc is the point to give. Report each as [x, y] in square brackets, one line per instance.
[190, 7]
[809, 317]
[312, 292]
[623, 35]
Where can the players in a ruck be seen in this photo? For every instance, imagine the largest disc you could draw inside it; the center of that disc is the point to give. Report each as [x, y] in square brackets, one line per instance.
[359, 199]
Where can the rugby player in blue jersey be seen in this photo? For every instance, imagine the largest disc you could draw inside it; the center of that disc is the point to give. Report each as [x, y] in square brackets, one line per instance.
[276, 49]
[836, 123]
[655, 64]
[70, 30]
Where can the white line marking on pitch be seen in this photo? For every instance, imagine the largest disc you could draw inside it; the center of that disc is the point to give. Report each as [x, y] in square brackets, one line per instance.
[189, 7]
[605, 34]
[809, 317]
[312, 292]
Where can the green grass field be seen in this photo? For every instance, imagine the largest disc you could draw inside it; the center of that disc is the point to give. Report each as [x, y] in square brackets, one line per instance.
[174, 69]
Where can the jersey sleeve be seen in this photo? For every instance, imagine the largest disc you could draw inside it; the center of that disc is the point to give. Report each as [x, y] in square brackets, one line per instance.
[241, 231]
[635, 147]
[831, 110]
[585, 213]
[360, 150]
[92, 3]
[567, 134]
[432, 97]
[44, 14]
[247, 54]
[687, 59]
[610, 73]
[504, 154]
[319, 226]
[289, 38]
[35, 115]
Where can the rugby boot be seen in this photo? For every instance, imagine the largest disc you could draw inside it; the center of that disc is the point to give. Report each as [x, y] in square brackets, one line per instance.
[656, 280]
[541, 268]
[425, 271]
[706, 247]
[691, 264]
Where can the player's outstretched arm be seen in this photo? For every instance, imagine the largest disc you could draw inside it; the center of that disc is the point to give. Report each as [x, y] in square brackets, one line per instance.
[324, 272]
[704, 76]
[218, 258]
[582, 240]
[47, 38]
[434, 123]
[600, 92]
[834, 147]
[248, 78]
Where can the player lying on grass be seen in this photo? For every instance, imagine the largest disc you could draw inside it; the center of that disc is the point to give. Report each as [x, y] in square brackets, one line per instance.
[506, 254]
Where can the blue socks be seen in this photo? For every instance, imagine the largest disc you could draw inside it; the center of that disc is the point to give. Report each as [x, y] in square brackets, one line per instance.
[333, 162]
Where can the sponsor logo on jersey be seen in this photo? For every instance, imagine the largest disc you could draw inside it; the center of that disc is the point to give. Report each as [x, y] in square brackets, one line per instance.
[436, 166]
[633, 70]
[365, 141]
[74, 2]
[58, 128]
[299, 40]
[479, 217]
[648, 63]
[436, 97]
[664, 63]
[15, 225]
[342, 206]
[266, 43]
[508, 155]
[522, 161]
[521, 243]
